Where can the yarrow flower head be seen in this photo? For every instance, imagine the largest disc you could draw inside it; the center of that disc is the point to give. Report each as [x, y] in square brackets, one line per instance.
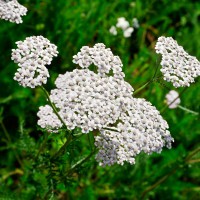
[88, 101]
[172, 99]
[103, 101]
[12, 11]
[101, 57]
[178, 67]
[140, 128]
[32, 55]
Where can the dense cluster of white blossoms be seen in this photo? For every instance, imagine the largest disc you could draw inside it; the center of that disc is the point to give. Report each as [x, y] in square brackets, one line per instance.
[172, 99]
[12, 11]
[32, 55]
[123, 24]
[101, 57]
[178, 67]
[49, 119]
[103, 101]
[86, 100]
[140, 128]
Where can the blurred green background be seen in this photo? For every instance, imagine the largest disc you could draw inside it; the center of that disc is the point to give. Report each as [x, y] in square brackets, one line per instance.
[173, 174]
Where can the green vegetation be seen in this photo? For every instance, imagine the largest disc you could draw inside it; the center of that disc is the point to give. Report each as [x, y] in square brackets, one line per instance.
[31, 169]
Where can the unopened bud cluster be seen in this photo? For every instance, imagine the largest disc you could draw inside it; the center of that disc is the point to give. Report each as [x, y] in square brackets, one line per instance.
[178, 67]
[12, 11]
[32, 55]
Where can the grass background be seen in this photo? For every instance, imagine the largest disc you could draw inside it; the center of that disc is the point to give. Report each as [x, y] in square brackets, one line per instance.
[71, 25]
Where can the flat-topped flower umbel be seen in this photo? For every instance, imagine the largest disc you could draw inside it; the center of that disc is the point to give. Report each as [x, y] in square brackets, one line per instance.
[32, 55]
[140, 128]
[178, 67]
[12, 11]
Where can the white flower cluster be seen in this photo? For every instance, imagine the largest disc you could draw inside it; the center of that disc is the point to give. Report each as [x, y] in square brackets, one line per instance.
[101, 57]
[86, 100]
[103, 101]
[32, 55]
[49, 120]
[123, 24]
[172, 99]
[140, 128]
[12, 11]
[178, 67]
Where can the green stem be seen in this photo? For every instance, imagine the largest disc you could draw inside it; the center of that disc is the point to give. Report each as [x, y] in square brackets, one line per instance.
[142, 87]
[79, 163]
[10, 142]
[188, 110]
[42, 146]
[89, 140]
[164, 109]
[185, 161]
[60, 151]
[192, 154]
[148, 82]
[53, 106]
[157, 66]
[194, 161]
[5, 131]
[157, 183]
